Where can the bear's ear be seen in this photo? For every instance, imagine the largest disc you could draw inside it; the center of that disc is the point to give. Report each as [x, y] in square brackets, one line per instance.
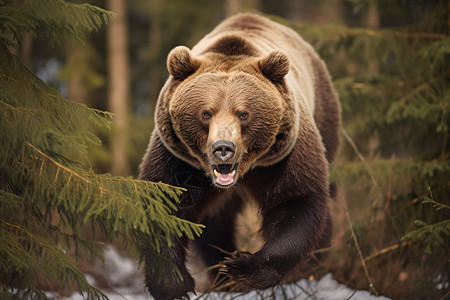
[274, 66]
[181, 63]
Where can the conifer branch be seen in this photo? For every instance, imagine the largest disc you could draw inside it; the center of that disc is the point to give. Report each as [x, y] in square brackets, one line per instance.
[160, 190]
[413, 35]
[71, 172]
[346, 32]
[43, 137]
[55, 19]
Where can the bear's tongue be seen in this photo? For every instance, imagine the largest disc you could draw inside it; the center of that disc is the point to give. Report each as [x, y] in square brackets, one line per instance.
[224, 179]
[224, 174]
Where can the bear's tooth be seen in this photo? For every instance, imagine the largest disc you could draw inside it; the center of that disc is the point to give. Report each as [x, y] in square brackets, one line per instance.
[217, 174]
[233, 173]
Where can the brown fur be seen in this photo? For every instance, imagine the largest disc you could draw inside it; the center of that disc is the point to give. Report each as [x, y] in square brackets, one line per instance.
[257, 85]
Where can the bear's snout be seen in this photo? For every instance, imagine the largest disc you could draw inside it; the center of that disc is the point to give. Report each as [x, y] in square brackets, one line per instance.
[223, 150]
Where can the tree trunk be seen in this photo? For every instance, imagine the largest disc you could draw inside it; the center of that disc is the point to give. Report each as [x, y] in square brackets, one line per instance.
[26, 50]
[76, 89]
[373, 22]
[119, 86]
[155, 40]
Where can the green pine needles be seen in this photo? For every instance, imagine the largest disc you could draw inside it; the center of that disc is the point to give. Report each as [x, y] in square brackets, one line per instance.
[54, 20]
[46, 194]
[432, 235]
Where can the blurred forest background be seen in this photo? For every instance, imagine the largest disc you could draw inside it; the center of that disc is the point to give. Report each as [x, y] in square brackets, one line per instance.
[390, 64]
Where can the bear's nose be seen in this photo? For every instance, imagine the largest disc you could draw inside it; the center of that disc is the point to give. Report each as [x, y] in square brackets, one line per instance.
[223, 150]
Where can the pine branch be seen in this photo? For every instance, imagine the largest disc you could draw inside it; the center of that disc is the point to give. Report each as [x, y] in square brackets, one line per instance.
[339, 32]
[18, 250]
[55, 20]
[112, 197]
[37, 114]
[43, 139]
[430, 234]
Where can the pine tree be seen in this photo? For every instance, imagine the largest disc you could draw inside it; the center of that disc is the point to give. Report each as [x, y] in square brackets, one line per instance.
[47, 194]
[394, 146]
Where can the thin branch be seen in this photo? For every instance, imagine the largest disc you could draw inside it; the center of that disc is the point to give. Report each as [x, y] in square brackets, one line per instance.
[369, 171]
[361, 157]
[351, 296]
[310, 295]
[388, 249]
[361, 256]
[321, 250]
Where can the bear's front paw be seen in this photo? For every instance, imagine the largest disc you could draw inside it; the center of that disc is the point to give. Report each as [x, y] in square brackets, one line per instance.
[250, 270]
[172, 288]
[171, 293]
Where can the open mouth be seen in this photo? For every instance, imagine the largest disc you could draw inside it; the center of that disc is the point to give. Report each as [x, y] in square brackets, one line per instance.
[224, 174]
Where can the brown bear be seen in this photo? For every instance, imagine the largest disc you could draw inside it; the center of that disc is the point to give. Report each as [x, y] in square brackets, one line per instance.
[249, 114]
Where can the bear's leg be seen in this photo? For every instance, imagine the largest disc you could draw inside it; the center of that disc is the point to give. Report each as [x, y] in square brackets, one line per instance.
[159, 164]
[217, 239]
[325, 241]
[291, 229]
[168, 285]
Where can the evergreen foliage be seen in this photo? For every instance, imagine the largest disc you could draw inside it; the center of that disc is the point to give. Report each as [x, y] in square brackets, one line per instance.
[433, 235]
[46, 194]
[394, 87]
[54, 20]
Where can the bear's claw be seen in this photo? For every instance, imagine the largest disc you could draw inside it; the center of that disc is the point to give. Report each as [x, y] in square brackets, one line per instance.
[245, 270]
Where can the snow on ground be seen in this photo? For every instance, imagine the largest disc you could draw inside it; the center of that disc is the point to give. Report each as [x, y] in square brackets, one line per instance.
[324, 289]
[122, 273]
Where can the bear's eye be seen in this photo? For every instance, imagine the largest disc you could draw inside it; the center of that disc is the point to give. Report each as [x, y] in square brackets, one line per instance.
[206, 115]
[243, 116]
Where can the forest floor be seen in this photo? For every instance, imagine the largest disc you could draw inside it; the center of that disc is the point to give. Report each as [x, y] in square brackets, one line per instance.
[119, 278]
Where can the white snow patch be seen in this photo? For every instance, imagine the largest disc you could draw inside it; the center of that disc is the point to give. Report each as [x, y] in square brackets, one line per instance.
[324, 289]
[118, 267]
[129, 285]
[90, 279]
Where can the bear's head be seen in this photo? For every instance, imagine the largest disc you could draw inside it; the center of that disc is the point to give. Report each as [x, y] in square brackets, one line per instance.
[226, 113]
